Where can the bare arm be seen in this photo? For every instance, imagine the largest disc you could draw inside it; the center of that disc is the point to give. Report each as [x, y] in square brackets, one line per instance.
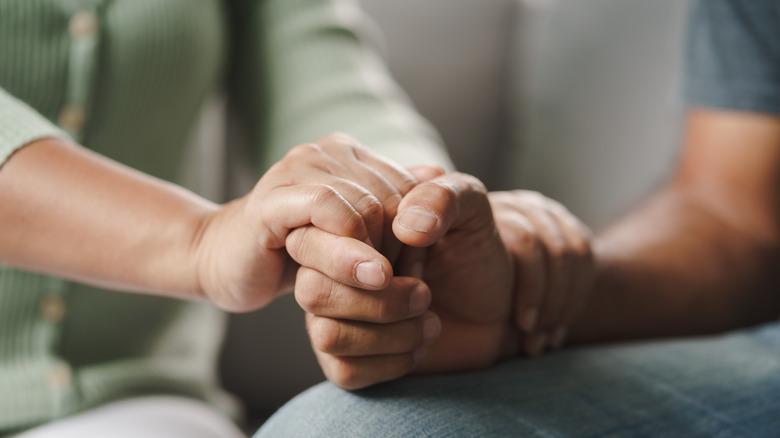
[700, 256]
[70, 212]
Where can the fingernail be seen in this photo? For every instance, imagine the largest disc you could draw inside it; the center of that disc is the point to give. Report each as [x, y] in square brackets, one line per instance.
[537, 344]
[559, 337]
[418, 219]
[527, 320]
[370, 274]
[431, 327]
[421, 299]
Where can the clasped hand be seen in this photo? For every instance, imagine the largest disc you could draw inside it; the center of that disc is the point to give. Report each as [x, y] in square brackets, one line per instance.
[398, 270]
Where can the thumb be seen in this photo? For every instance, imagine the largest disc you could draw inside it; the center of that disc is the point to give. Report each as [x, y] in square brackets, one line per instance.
[433, 208]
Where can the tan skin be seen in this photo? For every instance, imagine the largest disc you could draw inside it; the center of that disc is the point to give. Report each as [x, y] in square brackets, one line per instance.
[701, 256]
[478, 286]
[70, 212]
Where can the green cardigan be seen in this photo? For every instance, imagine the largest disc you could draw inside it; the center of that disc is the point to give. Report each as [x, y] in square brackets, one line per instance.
[127, 78]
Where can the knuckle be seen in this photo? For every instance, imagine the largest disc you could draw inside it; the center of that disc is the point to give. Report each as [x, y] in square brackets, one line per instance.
[326, 335]
[406, 183]
[473, 182]
[339, 137]
[370, 208]
[390, 203]
[582, 250]
[303, 150]
[556, 207]
[500, 197]
[355, 226]
[346, 375]
[457, 183]
[297, 242]
[340, 141]
[325, 197]
[532, 197]
[314, 292]
[528, 239]
[557, 251]
[324, 194]
[382, 311]
[512, 198]
[441, 191]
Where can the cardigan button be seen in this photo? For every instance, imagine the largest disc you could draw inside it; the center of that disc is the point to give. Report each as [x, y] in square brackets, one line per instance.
[83, 25]
[59, 377]
[52, 308]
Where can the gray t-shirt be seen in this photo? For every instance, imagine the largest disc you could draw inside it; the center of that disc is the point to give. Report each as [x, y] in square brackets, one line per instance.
[733, 58]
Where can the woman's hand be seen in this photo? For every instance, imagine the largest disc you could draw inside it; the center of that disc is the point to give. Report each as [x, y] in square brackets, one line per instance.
[553, 263]
[327, 205]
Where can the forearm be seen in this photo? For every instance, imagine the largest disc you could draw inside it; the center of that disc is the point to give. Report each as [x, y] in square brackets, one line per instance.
[321, 74]
[69, 212]
[677, 267]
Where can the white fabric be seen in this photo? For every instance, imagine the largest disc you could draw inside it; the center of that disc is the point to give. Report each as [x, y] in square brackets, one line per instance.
[147, 417]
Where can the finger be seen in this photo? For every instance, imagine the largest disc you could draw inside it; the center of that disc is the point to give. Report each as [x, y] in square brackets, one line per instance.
[583, 273]
[575, 228]
[348, 148]
[579, 254]
[342, 337]
[360, 372]
[353, 189]
[558, 263]
[520, 237]
[320, 295]
[371, 209]
[452, 201]
[584, 278]
[425, 173]
[332, 161]
[386, 180]
[343, 259]
[285, 208]
[390, 197]
[535, 344]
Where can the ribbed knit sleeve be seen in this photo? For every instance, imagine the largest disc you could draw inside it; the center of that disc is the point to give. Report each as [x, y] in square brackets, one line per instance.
[20, 125]
[310, 64]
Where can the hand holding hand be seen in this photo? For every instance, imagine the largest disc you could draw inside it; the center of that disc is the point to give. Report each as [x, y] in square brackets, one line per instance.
[553, 262]
[363, 337]
[326, 204]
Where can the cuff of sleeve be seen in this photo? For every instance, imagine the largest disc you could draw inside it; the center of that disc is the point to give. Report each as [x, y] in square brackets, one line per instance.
[20, 125]
[752, 97]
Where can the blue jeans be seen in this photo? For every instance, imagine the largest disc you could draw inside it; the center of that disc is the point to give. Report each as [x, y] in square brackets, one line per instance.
[724, 386]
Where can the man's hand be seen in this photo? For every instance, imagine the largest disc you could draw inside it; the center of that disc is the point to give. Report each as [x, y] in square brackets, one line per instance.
[553, 262]
[467, 268]
[362, 337]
